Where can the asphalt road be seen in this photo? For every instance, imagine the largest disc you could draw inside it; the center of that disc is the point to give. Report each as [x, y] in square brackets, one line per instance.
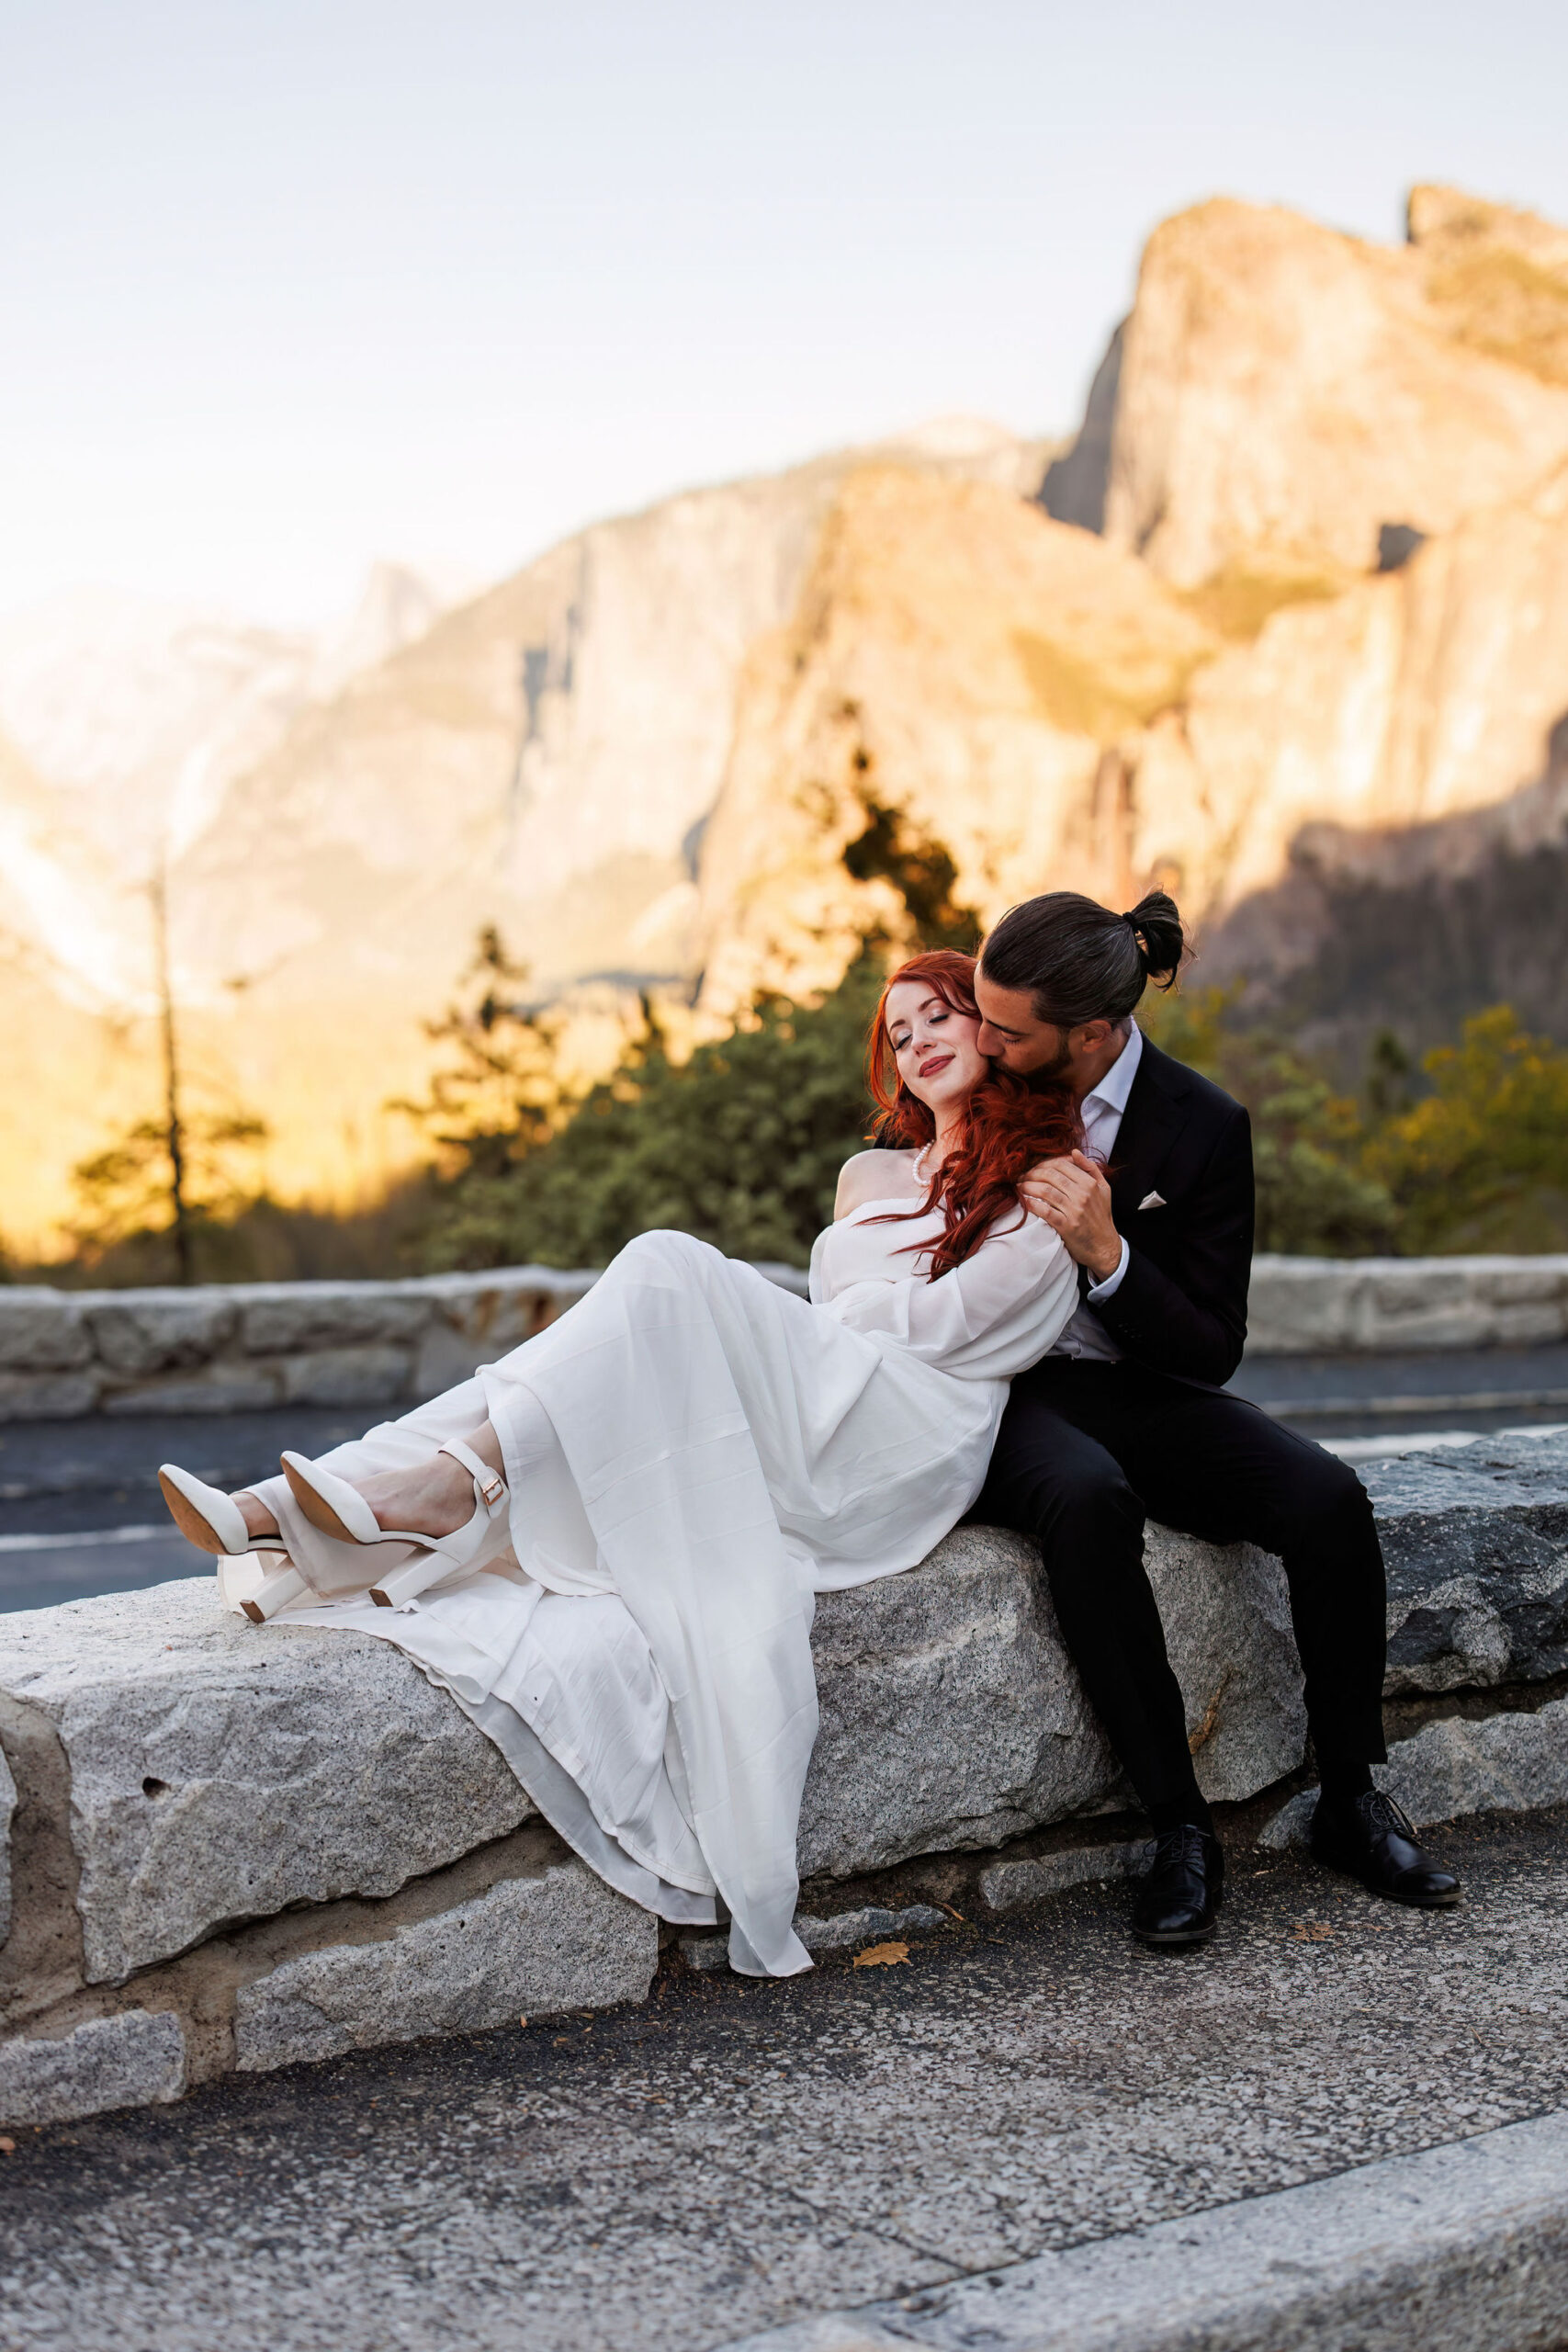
[80, 1511]
[733, 2155]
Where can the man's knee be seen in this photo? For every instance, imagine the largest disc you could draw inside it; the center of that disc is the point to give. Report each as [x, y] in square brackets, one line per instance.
[1081, 1513]
[1328, 1498]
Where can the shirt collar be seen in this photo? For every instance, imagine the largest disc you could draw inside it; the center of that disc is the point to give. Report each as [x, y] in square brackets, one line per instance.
[1116, 1085]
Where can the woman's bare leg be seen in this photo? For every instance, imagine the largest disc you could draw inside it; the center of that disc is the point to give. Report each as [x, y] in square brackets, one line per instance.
[430, 1498]
[258, 1520]
[434, 1497]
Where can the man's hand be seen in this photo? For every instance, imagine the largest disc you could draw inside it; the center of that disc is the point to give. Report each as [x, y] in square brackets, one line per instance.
[1074, 1198]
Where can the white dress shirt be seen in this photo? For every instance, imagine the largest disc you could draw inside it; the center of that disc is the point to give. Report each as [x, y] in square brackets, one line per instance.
[1086, 1336]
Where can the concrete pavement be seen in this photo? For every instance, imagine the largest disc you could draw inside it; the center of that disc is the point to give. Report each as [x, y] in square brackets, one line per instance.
[738, 2156]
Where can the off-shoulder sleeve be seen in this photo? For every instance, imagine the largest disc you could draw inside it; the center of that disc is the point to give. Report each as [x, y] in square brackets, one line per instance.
[999, 1311]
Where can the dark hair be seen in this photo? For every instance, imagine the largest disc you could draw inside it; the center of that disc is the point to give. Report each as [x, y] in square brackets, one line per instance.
[1078, 961]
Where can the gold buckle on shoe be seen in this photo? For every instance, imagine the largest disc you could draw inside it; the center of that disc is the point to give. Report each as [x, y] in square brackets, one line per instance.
[492, 1489]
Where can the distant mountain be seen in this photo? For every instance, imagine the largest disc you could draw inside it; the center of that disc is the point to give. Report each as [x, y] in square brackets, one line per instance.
[143, 712]
[1285, 628]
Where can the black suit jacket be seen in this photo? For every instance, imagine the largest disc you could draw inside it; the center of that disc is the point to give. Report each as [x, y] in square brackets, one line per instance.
[1180, 1307]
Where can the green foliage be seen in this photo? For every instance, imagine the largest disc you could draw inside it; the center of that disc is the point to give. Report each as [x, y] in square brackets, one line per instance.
[123, 1224]
[1314, 1199]
[921, 871]
[741, 1144]
[500, 1095]
[1484, 1157]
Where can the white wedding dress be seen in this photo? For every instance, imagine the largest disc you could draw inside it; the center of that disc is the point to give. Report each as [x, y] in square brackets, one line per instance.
[692, 1454]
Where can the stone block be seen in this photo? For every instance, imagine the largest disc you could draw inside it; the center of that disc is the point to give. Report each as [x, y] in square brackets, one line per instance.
[137, 2059]
[42, 1330]
[557, 1938]
[372, 1374]
[847, 1930]
[965, 1642]
[497, 1312]
[968, 1641]
[1535, 1325]
[48, 1395]
[1511, 1762]
[159, 1330]
[1522, 1282]
[1302, 1306]
[7, 1810]
[705, 1950]
[1007, 1886]
[219, 1772]
[1476, 1539]
[294, 1318]
[221, 1387]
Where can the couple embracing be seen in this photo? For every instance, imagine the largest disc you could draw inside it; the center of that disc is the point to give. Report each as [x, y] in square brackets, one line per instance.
[606, 1544]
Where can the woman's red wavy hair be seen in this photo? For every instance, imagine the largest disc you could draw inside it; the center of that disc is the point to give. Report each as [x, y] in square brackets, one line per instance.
[1010, 1125]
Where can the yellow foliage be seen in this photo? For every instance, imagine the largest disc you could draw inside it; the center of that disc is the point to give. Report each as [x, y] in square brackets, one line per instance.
[1495, 1127]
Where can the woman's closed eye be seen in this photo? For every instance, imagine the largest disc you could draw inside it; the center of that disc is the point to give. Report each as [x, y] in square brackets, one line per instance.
[901, 1037]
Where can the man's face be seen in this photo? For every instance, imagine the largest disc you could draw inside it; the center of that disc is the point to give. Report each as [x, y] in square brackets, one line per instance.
[1012, 1032]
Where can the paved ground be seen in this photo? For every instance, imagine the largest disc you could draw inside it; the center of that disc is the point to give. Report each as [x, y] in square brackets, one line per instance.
[735, 2156]
[80, 1511]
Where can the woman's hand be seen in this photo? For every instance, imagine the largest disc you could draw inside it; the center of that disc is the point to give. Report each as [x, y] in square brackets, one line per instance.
[1073, 1199]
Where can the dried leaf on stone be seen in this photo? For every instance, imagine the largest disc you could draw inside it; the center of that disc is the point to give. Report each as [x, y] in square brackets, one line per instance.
[1310, 1931]
[882, 1955]
[8, 2147]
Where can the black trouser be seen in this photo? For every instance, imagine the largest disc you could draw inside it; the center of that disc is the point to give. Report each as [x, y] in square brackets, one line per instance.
[1087, 1450]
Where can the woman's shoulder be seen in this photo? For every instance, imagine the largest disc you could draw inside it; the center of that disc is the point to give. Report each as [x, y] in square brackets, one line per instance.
[872, 1176]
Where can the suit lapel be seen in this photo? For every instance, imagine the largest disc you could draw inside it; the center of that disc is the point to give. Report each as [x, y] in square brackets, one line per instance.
[1157, 1109]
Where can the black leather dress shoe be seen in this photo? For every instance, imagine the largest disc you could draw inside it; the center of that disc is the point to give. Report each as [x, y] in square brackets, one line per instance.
[1372, 1840]
[1178, 1896]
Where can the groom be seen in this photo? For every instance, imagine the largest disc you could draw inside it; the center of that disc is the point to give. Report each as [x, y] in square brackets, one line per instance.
[1127, 1417]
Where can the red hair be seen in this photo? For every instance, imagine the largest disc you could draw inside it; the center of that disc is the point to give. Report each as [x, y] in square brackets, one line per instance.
[1008, 1125]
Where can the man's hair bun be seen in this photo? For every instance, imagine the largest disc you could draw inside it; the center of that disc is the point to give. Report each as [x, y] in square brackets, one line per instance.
[1157, 926]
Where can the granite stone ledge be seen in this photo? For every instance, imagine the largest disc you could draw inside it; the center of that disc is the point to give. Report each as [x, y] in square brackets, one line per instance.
[219, 1772]
[209, 1774]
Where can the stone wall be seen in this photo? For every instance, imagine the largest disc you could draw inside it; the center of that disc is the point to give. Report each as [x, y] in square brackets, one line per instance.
[239, 1847]
[237, 1347]
[1384, 1306]
[240, 1347]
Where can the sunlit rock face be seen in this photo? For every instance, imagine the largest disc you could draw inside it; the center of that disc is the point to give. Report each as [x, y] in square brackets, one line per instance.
[1288, 623]
[1285, 391]
[957, 656]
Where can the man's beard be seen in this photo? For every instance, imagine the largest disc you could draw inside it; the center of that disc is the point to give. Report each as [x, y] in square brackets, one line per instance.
[1044, 1071]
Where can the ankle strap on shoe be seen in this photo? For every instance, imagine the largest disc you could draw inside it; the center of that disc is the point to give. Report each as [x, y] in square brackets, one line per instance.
[489, 1484]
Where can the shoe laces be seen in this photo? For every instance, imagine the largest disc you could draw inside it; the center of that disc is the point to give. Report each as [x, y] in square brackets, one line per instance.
[1182, 1844]
[1381, 1816]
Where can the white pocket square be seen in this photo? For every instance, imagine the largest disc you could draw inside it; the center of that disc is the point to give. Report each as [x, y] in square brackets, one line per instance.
[1152, 1201]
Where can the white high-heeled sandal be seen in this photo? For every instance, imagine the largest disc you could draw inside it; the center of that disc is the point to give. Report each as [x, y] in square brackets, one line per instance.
[340, 1511]
[213, 1521]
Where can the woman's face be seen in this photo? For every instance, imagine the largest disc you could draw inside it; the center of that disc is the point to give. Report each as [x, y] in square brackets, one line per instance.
[935, 1048]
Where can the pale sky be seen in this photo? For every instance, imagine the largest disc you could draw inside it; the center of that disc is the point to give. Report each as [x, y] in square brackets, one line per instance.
[286, 285]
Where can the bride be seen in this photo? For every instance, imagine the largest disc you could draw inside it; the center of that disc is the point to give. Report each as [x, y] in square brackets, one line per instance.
[607, 1545]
